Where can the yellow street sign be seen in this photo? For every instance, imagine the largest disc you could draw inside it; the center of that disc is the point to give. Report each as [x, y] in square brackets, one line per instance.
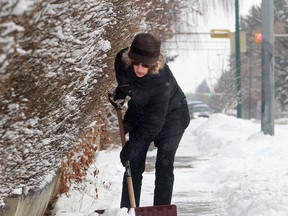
[219, 33]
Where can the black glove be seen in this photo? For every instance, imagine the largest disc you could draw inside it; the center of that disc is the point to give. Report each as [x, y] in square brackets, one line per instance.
[120, 92]
[116, 103]
[127, 153]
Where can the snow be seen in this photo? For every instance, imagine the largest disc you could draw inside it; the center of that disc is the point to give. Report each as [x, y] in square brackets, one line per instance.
[11, 27]
[236, 163]
[29, 139]
[22, 6]
[31, 148]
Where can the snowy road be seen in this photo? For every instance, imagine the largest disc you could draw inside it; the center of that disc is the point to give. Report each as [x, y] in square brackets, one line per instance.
[189, 200]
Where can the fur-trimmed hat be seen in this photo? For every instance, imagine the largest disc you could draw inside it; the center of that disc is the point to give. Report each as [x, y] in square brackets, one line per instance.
[145, 48]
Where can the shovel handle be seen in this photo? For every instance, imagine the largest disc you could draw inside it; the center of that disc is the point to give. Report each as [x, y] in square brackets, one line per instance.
[121, 126]
[130, 185]
[118, 109]
[123, 141]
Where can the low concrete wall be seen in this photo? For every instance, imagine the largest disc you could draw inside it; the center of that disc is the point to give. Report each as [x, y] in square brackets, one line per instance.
[35, 203]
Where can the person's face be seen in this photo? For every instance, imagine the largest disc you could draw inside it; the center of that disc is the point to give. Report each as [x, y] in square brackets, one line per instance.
[140, 69]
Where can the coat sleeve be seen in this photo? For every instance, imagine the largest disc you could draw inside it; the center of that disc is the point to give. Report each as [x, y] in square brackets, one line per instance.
[122, 76]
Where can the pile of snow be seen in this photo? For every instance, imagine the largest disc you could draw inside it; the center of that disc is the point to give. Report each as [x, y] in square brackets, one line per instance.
[244, 168]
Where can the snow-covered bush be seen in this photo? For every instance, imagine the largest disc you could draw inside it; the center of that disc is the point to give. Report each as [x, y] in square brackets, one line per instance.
[56, 66]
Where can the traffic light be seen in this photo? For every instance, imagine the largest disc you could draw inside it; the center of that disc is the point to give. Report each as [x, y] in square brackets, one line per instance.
[258, 37]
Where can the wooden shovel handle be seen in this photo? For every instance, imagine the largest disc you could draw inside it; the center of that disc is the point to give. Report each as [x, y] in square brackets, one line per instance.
[121, 126]
[118, 109]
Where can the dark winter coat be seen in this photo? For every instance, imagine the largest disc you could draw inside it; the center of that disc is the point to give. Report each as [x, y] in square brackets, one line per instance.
[157, 105]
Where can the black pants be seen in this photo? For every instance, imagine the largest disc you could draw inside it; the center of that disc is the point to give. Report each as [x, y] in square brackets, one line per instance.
[163, 172]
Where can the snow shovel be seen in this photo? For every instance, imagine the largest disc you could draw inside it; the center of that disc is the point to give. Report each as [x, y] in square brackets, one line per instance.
[161, 210]
[118, 108]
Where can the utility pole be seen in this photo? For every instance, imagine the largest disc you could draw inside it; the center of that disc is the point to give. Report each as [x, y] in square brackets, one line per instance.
[267, 68]
[250, 80]
[238, 61]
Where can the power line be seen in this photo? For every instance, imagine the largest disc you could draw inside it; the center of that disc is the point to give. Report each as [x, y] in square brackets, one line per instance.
[191, 33]
[186, 41]
[191, 49]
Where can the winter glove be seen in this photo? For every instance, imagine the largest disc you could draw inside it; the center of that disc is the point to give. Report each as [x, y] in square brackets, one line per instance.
[116, 103]
[121, 92]
[127, 153]
[112, 94]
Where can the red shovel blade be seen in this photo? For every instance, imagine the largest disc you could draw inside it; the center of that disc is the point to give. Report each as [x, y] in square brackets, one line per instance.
[162, 210]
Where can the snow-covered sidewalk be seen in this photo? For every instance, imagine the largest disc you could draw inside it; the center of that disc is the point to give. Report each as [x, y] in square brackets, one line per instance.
[223, 163]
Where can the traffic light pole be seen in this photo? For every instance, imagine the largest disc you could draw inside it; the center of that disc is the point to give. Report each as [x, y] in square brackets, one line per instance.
[238, 62]
[267, 68]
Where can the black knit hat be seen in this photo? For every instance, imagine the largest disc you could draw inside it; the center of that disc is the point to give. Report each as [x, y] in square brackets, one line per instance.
[145, 49]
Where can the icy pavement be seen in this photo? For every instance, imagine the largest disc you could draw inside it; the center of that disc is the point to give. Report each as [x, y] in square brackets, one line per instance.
[190, 201]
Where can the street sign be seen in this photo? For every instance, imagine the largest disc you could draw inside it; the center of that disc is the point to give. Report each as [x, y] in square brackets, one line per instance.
[219, 33]
[243, 42]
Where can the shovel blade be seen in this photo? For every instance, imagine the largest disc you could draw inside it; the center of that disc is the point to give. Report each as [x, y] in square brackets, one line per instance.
[162, 210]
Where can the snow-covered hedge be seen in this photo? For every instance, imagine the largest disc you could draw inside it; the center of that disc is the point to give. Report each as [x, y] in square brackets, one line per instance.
[56, 66]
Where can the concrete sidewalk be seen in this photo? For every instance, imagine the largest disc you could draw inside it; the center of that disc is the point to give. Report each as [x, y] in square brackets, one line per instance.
[189, 202]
